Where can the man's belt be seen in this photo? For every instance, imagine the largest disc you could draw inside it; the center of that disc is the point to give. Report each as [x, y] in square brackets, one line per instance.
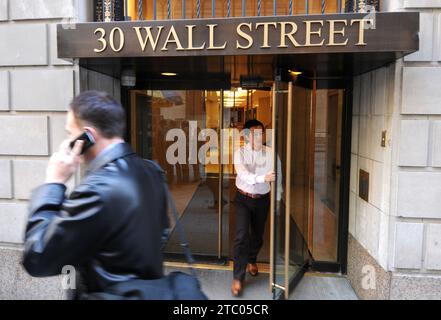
[252, 195]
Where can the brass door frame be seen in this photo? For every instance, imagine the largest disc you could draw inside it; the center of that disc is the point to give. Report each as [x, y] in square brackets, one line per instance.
[273, 189]
[286, 284]
[221, 166]
[288, 187]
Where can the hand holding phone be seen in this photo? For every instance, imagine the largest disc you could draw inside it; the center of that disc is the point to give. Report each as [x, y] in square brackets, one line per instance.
[88, 139]
[65, 162]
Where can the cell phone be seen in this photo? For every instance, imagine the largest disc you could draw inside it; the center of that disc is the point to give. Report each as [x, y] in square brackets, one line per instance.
[88, 139]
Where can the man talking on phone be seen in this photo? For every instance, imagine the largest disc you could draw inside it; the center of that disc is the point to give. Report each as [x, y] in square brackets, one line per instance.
[110, 227]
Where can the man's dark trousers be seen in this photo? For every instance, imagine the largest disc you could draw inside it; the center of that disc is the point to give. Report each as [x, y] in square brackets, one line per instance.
[251, 215]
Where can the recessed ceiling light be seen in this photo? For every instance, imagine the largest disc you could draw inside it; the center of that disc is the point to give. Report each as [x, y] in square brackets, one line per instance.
[296, 73]
[169, 74]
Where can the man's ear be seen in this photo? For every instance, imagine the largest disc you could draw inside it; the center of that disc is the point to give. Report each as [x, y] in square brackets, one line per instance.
[93, 132]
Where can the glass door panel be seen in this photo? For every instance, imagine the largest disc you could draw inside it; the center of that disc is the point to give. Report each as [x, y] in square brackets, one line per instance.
[298, 179]
[178, 130]
[189, 133]
[327, 171]
[292, 109]
[278, 200]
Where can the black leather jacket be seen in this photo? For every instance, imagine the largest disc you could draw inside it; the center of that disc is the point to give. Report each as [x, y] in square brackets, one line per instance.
[109, 228]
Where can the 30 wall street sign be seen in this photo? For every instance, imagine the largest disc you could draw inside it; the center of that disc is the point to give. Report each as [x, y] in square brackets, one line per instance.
[381, 32]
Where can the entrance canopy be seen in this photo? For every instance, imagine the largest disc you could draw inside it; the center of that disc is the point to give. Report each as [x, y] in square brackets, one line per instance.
[319, 46]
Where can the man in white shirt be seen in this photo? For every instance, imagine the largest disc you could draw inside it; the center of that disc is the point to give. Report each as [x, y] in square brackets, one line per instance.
[255, 171]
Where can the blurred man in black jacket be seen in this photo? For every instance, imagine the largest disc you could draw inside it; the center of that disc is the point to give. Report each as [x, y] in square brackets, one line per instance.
[110, 226]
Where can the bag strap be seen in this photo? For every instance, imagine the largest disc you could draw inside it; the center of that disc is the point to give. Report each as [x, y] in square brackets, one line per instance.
[178, 224]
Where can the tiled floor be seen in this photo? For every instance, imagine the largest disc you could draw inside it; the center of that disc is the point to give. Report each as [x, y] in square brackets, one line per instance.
[216, 285]
[323, 287]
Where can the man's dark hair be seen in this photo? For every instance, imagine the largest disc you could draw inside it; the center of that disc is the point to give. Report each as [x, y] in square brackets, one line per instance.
[253, 123]
[100, 110]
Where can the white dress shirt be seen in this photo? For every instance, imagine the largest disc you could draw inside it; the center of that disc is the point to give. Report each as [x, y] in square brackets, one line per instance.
[252, 166]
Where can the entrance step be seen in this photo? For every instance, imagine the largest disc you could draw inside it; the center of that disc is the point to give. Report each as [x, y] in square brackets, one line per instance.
[323, 286]
[216, 284]
[216, 281]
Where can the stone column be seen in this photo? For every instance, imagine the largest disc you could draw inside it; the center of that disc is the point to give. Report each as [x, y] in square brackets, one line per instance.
[395, 237]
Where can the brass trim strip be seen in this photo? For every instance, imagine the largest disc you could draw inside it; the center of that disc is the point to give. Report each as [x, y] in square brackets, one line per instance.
[220, 184]
[273, 141]
[311, 168]
[279, 287]
[202, 266]
[288, 187]
[263, 267]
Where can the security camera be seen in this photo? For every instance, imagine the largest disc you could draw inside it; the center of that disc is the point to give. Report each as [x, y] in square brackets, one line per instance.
[128, 77]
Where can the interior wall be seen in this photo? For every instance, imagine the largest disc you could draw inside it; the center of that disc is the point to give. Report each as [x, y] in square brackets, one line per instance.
[372, 114]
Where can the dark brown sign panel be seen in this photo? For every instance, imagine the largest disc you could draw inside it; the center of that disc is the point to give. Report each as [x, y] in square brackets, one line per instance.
[333, 33]
[363, 185]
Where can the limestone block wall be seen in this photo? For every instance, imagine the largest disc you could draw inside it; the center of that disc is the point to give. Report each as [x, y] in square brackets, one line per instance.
[35, 90]
[369, 221]
[401, 226]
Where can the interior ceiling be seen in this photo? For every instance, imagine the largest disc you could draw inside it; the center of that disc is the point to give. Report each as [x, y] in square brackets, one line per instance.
[228, 69]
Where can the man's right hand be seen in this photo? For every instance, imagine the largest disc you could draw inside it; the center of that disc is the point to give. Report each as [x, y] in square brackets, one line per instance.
[64, 163]
[270, 176]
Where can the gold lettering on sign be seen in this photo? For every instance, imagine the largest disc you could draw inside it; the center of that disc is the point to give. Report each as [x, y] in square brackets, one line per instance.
[310, 33]
[190, 39]
[211, 37]
[176, 40]
[244, 36]
[102, 40]
[121, 39]
[289, 35]
[148, 38]
[266, 32]
[333, 32]
[361, 29]
[250, 36]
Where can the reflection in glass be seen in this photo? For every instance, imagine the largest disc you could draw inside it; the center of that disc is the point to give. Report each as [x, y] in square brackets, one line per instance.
[163, 119]
[306, 217]
[291, 212]
[168, 124]
[308, 142]
[326, 183]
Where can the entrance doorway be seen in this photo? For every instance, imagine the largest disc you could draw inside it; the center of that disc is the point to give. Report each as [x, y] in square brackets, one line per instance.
[306, 219]
[191, 134]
